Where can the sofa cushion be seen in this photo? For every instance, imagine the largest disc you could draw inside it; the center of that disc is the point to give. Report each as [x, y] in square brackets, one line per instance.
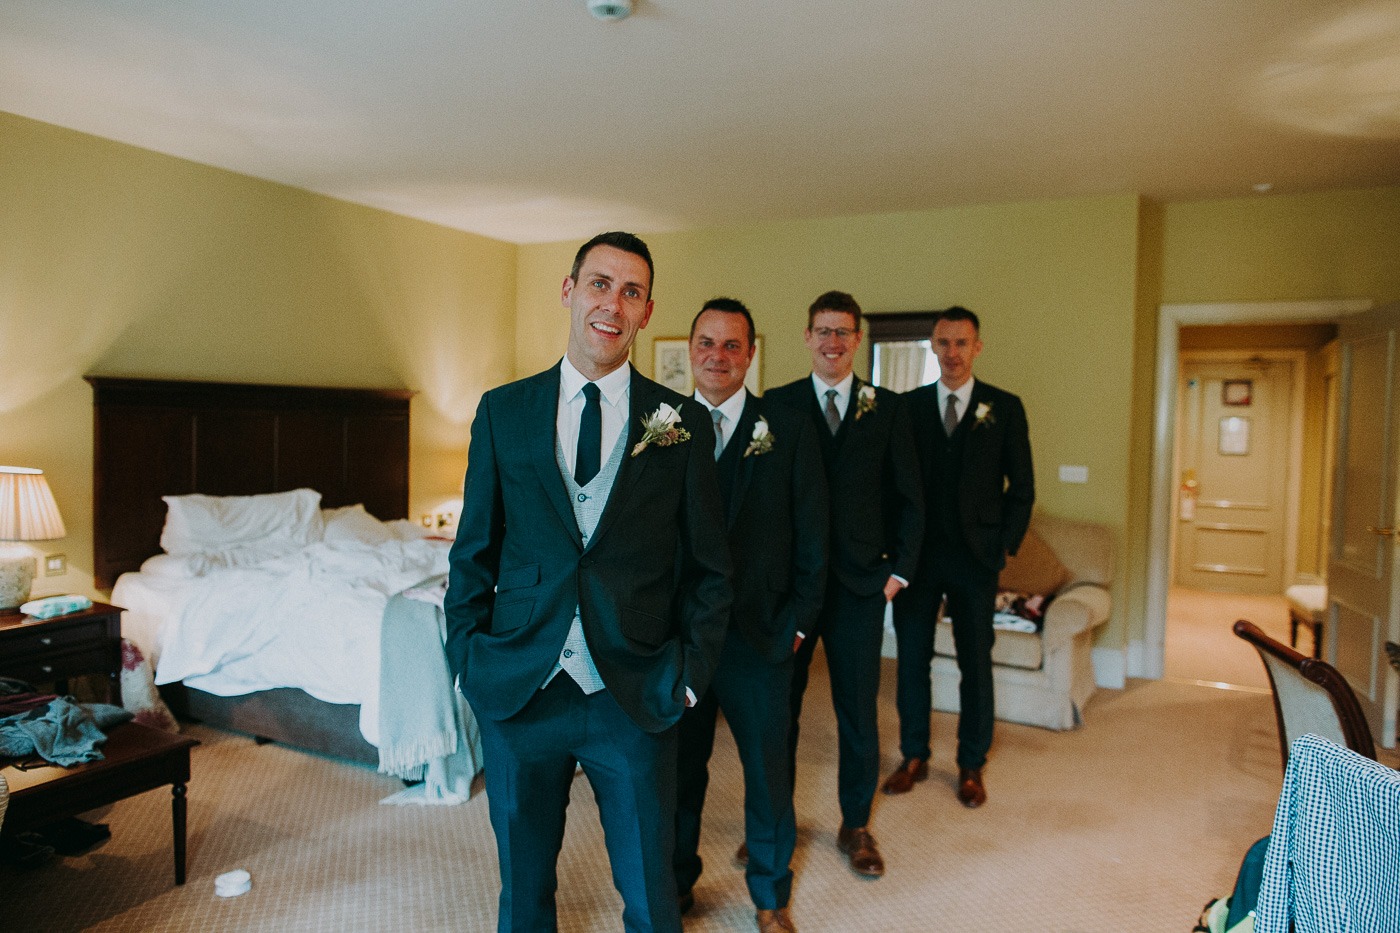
[1034, 569]
[1011, 649]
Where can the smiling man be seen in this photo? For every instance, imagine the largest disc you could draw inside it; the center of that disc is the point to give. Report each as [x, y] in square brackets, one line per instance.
[774, 494]
[876, 528]
[588, 595]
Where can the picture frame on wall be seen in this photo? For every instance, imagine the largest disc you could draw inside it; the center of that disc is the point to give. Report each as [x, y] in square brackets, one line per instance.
[670, 365]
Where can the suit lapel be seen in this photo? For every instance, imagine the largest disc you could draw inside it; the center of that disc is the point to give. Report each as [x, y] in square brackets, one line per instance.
[743, 432]
[643, 399]
[542, 415]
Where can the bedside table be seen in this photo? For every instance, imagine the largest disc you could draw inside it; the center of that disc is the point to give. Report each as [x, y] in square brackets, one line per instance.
[52, 650]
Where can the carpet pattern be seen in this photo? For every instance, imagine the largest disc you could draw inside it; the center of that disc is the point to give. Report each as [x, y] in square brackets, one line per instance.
[1132, 822]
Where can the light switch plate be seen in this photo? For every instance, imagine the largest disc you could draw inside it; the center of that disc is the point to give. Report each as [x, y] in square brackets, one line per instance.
[1074, 474]
[55, 565]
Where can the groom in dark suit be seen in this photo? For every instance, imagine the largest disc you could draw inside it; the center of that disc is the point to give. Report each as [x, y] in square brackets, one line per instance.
[588, 596]
[877, 522]
[975, 454]
[774, 491]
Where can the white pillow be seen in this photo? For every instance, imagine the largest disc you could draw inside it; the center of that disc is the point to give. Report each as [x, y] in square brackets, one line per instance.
[354, 524]
[199, 524]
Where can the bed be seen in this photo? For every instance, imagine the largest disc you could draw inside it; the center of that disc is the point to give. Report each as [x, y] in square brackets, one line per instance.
[275, 633]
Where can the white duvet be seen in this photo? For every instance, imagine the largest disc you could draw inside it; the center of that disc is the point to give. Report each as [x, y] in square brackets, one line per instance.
[308, 619]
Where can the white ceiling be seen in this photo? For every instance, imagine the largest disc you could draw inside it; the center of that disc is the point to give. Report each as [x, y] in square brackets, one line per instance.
[528, 120]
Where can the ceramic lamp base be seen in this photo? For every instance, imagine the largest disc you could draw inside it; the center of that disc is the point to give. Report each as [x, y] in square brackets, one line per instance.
[16, 577]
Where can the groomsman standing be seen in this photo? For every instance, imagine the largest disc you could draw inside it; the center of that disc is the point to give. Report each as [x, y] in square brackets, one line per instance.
[877, 523]
[588, 596]
[774, 492]
[975, 453]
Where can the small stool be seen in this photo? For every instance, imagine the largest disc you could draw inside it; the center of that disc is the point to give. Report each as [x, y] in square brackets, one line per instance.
[1307, 605]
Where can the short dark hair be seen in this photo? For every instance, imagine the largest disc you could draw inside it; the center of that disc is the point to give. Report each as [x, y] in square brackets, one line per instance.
[834, 301]
[959, 313]
[728, 306]
[627, 242]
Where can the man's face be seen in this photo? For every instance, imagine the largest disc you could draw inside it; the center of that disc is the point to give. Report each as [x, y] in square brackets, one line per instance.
[608, 304]
[833, 339]
[720, 354]
[956, 343]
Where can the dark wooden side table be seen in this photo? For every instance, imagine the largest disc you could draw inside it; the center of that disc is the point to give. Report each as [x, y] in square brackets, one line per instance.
[138, 759]
[52, 650]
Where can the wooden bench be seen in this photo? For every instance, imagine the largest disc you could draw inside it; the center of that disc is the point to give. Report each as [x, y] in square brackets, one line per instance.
[138, 759]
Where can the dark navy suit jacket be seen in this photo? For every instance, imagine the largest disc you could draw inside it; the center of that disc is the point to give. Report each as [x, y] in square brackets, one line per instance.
[652, 586]
[777, 521]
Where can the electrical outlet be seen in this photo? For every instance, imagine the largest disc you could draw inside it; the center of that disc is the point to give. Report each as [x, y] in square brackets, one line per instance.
[55, 565]
[427, 521]
[444, 519]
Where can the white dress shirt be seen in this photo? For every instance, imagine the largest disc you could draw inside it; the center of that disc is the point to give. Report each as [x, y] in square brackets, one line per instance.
[730, 410]
[963, 394]
[843, 392]
[614, 394]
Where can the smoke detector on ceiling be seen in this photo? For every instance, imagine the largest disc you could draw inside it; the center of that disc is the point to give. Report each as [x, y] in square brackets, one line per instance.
[610, 9]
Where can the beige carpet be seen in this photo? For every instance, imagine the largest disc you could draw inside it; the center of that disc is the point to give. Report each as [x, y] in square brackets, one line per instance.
[1201, 643]
[1130, 823]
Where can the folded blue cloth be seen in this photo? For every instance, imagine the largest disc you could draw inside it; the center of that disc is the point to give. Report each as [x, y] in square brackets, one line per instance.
[63, 731]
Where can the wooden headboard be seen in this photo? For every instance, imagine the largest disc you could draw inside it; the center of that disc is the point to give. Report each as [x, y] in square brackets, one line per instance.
[154, 438]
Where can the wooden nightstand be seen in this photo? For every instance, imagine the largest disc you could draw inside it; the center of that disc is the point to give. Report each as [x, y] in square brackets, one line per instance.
[52, 650]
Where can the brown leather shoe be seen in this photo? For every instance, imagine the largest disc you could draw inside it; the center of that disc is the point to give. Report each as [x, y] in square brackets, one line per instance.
[970, 789]
[775, 921]
[859, 845]
[741, 856]
[910, 773]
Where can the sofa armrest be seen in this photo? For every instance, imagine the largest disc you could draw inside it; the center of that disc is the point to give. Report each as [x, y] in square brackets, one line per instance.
[1073, 610]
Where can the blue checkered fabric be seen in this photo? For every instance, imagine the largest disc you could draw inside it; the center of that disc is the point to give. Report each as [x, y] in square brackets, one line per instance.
[1334, 857]
[588, 501]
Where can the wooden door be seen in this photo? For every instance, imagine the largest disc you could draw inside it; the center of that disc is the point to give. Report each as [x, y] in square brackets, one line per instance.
[1235, 437]
[1362, 596]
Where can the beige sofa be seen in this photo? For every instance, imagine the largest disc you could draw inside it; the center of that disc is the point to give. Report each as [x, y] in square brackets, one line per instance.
[1043, 678]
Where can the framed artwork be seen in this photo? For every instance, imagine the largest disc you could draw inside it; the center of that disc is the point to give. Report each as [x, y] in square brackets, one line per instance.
[1237, 392]
[670, 365]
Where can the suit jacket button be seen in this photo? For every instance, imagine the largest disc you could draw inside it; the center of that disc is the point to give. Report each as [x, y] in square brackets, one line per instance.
[582, 497]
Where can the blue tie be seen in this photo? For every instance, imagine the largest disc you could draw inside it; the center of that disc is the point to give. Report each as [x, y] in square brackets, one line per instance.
[590, 437]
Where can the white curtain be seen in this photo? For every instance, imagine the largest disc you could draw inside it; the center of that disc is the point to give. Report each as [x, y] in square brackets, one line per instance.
[904, 365]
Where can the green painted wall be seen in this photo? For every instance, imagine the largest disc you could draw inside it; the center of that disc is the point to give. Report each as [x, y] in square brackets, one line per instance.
[122, 262]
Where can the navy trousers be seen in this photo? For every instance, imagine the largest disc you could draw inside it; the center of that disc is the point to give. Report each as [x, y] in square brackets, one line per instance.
[753, 694]
[971, 590]
[530, 763]
[852, 628]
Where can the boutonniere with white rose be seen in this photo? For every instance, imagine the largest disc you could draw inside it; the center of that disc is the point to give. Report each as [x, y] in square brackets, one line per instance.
[662, 428]
[762, 442]
[983, 415]
[865, 400]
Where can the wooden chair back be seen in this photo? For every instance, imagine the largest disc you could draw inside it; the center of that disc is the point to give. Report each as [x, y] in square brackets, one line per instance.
[1310, 695]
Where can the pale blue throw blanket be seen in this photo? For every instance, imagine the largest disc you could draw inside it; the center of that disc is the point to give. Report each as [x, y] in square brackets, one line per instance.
[427, 732]
[62, 731]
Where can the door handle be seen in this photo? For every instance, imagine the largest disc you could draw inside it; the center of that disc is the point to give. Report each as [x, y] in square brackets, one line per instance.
[1383, 532]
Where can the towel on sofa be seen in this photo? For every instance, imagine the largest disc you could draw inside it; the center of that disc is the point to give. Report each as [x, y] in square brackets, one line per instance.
[427, 732]
[61, 731]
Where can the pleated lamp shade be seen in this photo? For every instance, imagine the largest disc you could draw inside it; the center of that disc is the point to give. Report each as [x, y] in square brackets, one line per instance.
[27, 513]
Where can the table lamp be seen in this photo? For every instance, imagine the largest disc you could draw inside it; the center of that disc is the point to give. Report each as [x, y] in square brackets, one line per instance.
[28, 512]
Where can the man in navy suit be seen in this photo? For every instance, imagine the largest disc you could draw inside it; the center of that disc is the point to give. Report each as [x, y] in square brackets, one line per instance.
[877, 521]
[774, 492]
[975, 454]
[588, 595]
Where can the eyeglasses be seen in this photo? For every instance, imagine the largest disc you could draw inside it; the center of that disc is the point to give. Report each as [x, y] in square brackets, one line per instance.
[840, 333]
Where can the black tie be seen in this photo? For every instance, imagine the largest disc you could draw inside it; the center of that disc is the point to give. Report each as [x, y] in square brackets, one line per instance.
[950, 417]
[590, 437]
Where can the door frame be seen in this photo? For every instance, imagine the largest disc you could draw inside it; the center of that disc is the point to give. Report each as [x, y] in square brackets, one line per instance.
[1293, 484]
[1147, 658]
